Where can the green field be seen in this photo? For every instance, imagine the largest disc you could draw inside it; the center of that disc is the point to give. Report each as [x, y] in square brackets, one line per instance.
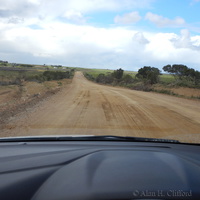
[167, 78]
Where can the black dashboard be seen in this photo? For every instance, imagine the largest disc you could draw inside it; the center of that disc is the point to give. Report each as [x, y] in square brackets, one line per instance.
[106, 170]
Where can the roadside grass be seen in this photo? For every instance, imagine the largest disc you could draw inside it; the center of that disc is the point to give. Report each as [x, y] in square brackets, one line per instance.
[169, 92]
[8, 73]
[10, 76]
[14, 95]
[174, 90]
[195, 97]
[165, 91]
[23, 85]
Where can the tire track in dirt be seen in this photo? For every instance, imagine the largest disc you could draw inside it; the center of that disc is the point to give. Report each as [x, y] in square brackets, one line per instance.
[107, 108]
[132, 115]
[83, 102]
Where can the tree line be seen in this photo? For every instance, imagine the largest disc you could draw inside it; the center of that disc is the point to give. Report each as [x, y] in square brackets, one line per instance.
[182, 72]
[51, 75]
[179, 71]
[149, 75]
[117, 77]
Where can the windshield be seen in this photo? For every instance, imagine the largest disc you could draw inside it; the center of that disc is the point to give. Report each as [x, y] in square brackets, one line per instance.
[107, 67]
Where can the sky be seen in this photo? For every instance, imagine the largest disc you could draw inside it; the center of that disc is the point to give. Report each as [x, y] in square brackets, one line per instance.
[106, 34]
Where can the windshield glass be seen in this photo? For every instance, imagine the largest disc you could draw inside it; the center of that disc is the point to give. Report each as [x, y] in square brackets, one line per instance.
[107, 67]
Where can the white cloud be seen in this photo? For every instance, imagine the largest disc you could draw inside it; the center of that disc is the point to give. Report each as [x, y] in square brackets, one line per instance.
[183, 41]
[66, 42]
[186, 41]
[161, 51]
[20, 8]
[196, 40]
[128, 18]
[15, 20]
[58, 7]
[160, 46]
[74, 16]
[139, 37]
[161, 21]
[27, 11]
[37, 2]
[88, 46]
[99, 5]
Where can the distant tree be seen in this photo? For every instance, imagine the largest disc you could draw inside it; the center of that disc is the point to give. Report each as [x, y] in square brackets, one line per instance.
[55, 75]
[183, 72]
[178, 70]
[101, 78]
[148, 73]
[193, 75]
[128, 79]
[197, 77]
[168, 68]
[118, 74]
[109, 78]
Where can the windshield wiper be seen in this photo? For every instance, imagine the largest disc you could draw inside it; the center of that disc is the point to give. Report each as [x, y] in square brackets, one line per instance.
[86, 138]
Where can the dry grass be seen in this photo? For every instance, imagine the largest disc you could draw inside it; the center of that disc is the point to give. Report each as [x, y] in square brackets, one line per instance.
[14, 94]
[179, 91]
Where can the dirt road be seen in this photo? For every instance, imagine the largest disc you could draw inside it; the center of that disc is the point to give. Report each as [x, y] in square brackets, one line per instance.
[84, 108]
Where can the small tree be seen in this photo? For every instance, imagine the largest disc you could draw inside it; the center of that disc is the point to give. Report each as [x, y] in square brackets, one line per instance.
[101, 78]
[183, 72]
[178, 70]
[109, 78]
[128, 79]
[118, 74]
[148, 73]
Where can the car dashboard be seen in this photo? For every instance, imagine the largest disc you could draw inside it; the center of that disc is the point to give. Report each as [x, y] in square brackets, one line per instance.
[106, 170]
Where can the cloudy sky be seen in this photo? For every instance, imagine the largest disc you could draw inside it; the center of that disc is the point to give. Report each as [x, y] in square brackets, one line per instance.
[101, 33]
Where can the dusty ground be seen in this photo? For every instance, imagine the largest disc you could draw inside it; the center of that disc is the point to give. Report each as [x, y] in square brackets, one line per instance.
[182, 91]
[17, 98]
[11, 93]
[84, 107]
[188, 92]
